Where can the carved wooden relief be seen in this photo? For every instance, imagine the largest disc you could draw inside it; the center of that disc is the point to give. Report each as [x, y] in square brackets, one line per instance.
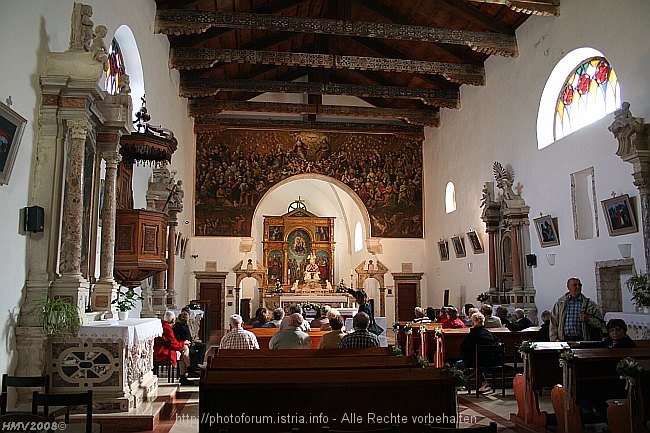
[236, 167]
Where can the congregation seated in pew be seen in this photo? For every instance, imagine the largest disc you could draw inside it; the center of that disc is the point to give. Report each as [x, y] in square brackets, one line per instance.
[291, 336]
[238, 337]
[332, 339]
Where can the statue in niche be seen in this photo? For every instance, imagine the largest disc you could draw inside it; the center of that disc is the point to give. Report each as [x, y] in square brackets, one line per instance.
[311, 270]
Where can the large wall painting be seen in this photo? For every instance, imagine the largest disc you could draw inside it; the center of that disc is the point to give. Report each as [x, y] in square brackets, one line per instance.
[234, 168]
[299, 246]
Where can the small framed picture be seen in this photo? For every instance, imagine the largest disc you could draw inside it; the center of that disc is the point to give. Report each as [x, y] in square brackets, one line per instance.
[619, 215]
[459, 246]
[546, 231]
[11, 130]
[475, 242]
[443, 248]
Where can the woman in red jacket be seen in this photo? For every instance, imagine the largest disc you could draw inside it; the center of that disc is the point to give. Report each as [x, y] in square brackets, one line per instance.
[166, 347]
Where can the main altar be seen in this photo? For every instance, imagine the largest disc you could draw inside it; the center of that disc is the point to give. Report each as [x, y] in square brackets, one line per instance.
[299, 251]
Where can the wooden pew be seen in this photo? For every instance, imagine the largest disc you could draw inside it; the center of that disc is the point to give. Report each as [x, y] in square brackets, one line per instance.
[308, 393]
[292, 353]
[541, 369]
[590, 375]
[264, 336]
[452, 339]
[633, 413]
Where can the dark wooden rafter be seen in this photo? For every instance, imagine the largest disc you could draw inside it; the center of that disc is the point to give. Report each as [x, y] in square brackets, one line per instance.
[203, 124]
[193, 88]
[532, 7]
[196, 58]
[211, 108]
[176, 21]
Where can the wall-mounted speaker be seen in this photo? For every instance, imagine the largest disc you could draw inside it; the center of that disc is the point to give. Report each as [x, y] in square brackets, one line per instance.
[34, 219]
[531, 260]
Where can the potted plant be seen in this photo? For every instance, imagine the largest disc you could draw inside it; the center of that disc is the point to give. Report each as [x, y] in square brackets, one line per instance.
[58, 317]
[125, 302]
[638, 286]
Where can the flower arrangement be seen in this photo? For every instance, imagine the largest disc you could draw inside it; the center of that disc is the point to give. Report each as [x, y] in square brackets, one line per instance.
[126, 301]
[638, 286]
[483, 297]
[566, 357]
[396, 326]
[408, 328]
[526, 347]
[422, 362]
[628, 368]
[458, 376]
[194, 305]
[310, 306]
[341, 287]
[438, 332]
[277, 288]
[397, 351]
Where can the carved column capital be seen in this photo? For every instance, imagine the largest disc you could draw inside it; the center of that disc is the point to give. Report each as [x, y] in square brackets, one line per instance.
[79, 128]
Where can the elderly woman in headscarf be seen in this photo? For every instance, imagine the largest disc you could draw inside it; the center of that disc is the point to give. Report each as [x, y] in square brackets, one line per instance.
[291, 337]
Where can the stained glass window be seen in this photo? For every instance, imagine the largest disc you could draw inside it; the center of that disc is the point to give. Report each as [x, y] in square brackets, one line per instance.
[589, 93]
[115, 68]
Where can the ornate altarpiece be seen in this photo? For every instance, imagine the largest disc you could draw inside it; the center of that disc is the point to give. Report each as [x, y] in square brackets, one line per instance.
[508, 227]
[290, 241]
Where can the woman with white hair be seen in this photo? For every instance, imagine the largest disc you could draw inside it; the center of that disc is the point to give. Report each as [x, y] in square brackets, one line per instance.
[166, 346]
[478, 334]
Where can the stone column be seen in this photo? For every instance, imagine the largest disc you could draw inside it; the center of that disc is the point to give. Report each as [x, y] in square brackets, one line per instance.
[237, 306]
[72, 284]
[106, 287]
[516, 270]
[633, 136]
[171, 260]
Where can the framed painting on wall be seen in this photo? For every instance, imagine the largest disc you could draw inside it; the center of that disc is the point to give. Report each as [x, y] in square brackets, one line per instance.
[443, 249]
[619, 215]
[475, 242]
[11, 130]
[546, 231]
[459, 246]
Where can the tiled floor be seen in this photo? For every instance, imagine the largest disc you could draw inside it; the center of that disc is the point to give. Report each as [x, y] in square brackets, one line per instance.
[472, 411]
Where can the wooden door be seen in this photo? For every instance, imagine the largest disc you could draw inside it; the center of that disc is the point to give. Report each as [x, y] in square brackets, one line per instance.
[406, 296]
[212, 292]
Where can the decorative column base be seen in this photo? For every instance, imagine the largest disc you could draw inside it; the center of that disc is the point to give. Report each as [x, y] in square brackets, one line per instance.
[159, 301]
[103, 293]
[30, 347]
[74, 287]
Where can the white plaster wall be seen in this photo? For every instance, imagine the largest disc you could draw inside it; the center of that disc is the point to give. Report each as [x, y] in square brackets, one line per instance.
[28, 30]
[498, 123]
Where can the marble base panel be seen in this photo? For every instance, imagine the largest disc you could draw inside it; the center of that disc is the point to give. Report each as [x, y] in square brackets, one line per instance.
[120, 377]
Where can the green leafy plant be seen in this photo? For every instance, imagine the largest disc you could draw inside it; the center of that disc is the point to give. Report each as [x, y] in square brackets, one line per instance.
[638, 286]
[397, 351]
[126, 301]
[277, 288]
[422, 361]
[310, 306]
[457, 375]
[58, 317]
[526, 347]
[566, 357]
[628, 368]
[408, 328]
[483, 297]
[438, 332]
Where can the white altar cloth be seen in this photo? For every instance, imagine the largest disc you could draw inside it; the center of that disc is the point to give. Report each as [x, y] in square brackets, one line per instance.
[131, 331]
[638, 324]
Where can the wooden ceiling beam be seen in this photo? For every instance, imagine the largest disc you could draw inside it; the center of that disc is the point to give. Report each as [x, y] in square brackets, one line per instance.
[205, 124]
[201, 87]
[546, 8]
[212, 108]
[474, 15]
[197, 58]
[178, 21]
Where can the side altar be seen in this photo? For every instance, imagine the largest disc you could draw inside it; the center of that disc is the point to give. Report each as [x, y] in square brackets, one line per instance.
[113, 359]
